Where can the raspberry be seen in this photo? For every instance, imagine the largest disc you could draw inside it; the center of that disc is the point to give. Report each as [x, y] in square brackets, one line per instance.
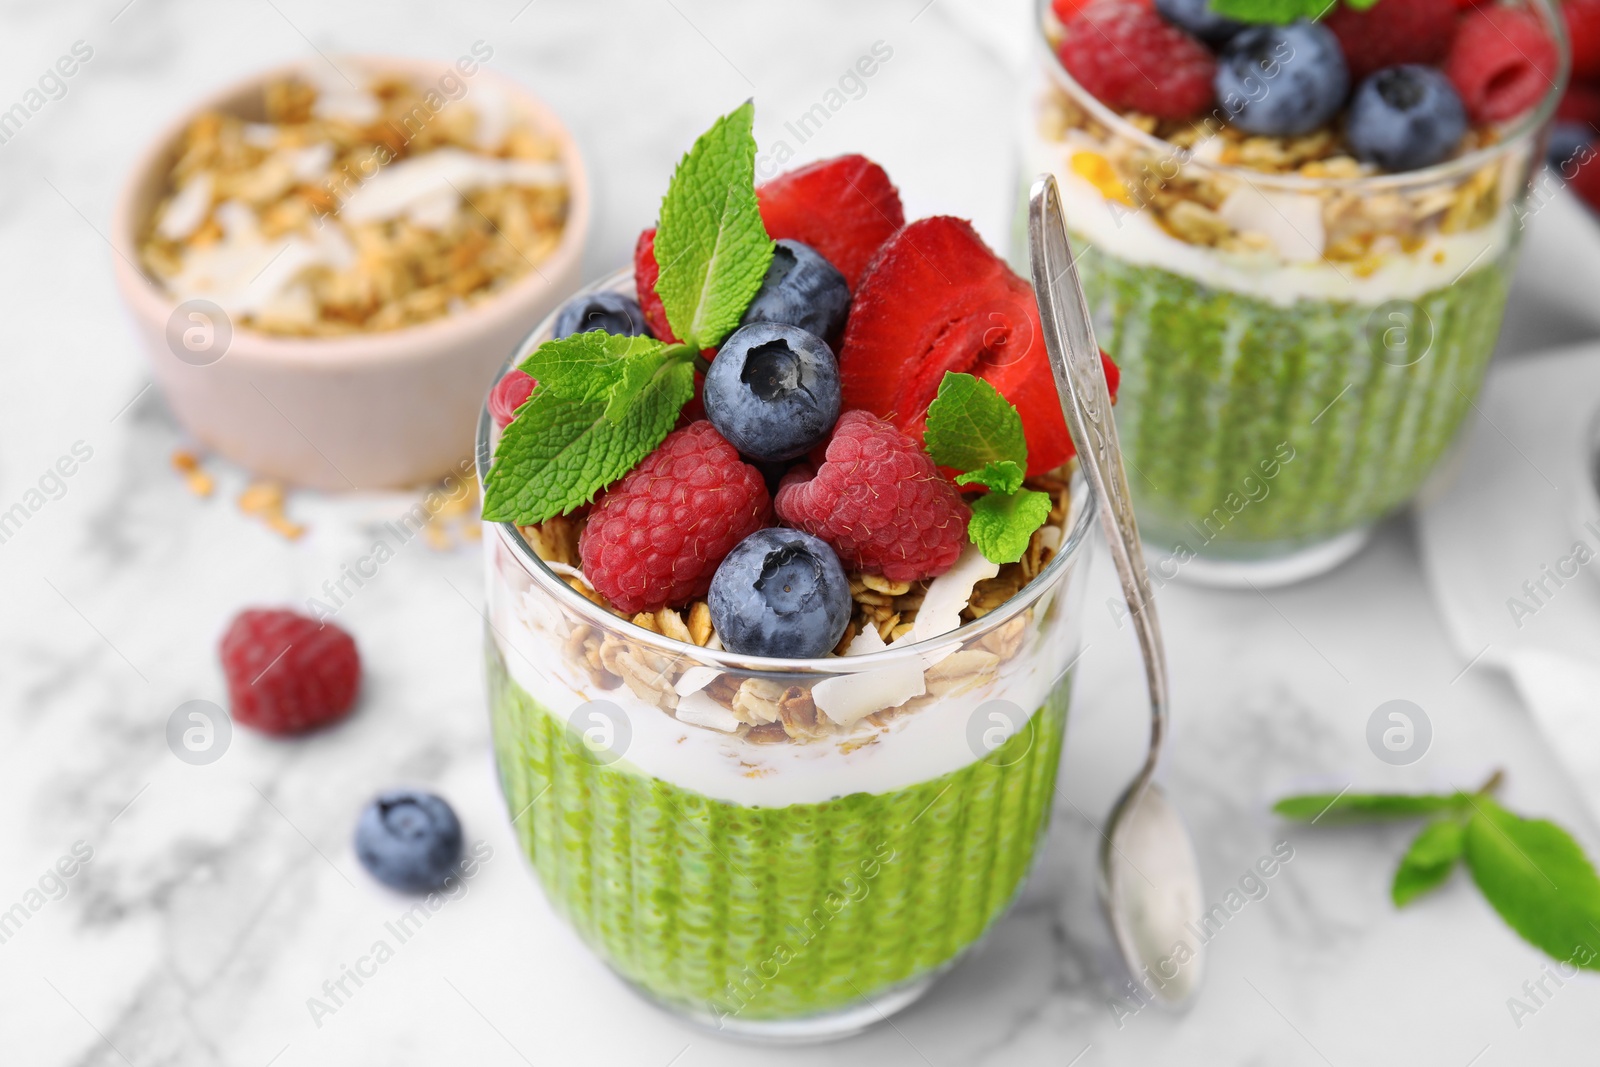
[1502, 63]
[1132, 59]
[509, 394]
[879, 501]
[1583, 35]
[288, 673]
[1391, 33]
[655, 538]
[645, 273]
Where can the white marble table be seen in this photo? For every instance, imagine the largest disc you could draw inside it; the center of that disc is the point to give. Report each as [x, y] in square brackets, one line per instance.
[220, 898]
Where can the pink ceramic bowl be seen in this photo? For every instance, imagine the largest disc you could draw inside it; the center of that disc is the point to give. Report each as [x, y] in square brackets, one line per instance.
[379, 410]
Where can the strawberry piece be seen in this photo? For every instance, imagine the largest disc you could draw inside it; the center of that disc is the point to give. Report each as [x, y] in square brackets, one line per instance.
[845, 208]
[645, 273]
[1502, 63]
[1583, 36]
[1580, 104]
[936, 299]
[1391, 33]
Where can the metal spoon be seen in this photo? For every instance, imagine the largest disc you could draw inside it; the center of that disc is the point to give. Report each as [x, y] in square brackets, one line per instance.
[1149, 877]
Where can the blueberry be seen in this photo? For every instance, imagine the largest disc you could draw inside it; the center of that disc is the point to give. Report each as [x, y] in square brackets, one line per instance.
[1567, 139]
[801, 289]
[1197, 17]
[409, 840]
[781, 593]
[1282, 81]
[611, 312]
[773, 391]
[1405, 117]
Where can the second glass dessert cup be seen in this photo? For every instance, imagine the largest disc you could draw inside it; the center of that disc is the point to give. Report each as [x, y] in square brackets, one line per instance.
[1299, 342]
[780, 849]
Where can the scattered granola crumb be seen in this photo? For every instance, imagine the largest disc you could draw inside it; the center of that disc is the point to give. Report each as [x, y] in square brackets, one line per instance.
[188, 464]
[264, 499]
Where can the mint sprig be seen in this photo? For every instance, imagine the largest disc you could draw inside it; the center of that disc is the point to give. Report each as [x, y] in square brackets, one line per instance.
[571, 440]
[1281, 12]
[603, 402]
[1531, 871]
[711, 245]
[974, 429]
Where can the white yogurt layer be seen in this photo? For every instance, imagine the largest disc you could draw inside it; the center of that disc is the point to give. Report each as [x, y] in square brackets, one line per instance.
[1291, 221]
[707, 758]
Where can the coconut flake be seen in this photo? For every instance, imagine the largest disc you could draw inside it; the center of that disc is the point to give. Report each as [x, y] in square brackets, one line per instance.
[186, 211]
[697, 709]
[849, 698]
[948, 595]
[695, 679]
[422, 182]
[1291, 221]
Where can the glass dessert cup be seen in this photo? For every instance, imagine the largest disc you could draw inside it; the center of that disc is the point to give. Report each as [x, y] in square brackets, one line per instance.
[795, 879]
[1298, 350]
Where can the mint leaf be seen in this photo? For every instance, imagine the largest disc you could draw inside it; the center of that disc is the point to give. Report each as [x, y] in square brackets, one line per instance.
[711, 245]
[1281, 12]
[1429, 861]
[560, 451]
[1534, 874]
[1003, 523]
[970, 425]
[585, 366]
[1351, 807]
[1003, 476]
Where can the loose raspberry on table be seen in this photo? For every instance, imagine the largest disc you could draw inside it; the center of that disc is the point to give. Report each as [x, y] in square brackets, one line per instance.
[509, 394]
[1392, 33]
[1502, 63]
[287, 673]
[655, 538]
[1131, 58]
[879, 501]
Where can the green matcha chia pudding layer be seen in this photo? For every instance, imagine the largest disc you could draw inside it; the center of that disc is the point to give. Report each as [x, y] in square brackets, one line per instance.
[1256, 426]
[1301, 323]
[765, 845]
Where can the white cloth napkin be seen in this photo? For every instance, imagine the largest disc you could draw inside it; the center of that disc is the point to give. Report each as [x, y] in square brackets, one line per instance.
[1511, 545]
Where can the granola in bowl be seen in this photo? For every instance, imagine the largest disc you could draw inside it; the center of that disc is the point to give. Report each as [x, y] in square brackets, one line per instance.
[328, 262]
[350, 208]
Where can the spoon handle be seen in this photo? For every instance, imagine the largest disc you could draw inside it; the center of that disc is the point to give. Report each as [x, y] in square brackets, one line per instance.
[1086, 402]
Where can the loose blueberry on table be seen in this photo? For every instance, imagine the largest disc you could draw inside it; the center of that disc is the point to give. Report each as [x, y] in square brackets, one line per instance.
[409, 840]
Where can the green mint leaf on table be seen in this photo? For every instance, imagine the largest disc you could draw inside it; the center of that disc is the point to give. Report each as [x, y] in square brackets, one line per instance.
[971, 425]
[1534, 874]
[974, 429]
[561, 450]
[1429, 861]
[1281, 12]
[1345, 807]
[1003, 523]
[1003, 476]
[711, 245]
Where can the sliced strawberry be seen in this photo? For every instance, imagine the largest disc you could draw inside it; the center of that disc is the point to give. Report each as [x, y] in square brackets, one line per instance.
[845, 208]
[936, 299]
[645, 273]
